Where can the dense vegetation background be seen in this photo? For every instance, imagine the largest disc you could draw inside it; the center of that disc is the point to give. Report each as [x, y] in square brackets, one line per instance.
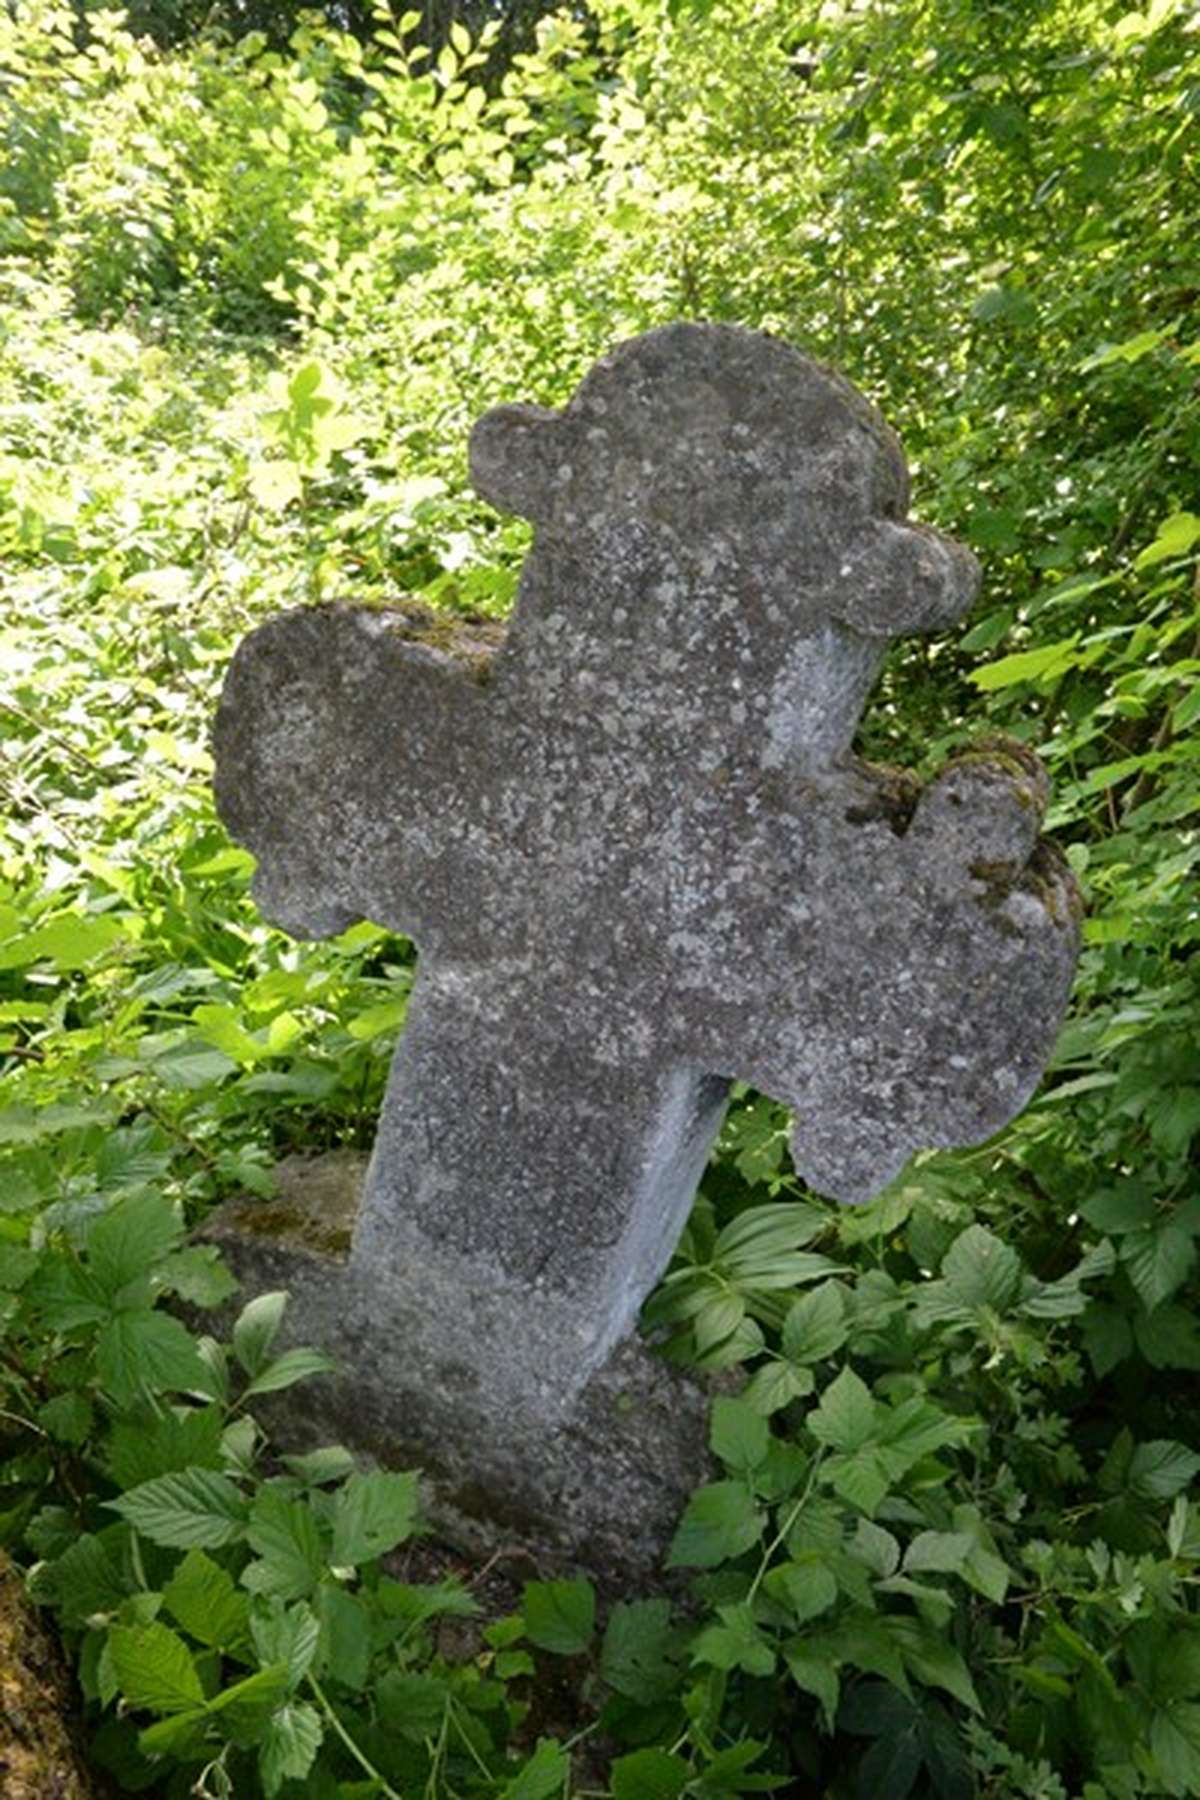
[254, 288]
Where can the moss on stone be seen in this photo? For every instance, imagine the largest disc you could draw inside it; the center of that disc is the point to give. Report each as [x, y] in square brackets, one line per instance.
[38, 1760]
[469, 640]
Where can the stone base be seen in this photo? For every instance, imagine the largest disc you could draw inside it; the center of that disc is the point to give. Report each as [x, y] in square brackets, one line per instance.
[600, 1487]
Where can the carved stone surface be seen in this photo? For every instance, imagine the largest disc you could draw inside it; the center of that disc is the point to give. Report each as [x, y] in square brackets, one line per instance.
[639, 861]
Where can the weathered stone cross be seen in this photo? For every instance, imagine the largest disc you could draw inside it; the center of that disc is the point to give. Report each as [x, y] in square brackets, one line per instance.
[637, 857]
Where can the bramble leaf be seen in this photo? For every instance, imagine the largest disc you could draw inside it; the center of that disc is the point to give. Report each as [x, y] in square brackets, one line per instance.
[195, 1508]
[738, 1435]
[371, 1515]
[201, 1597]
[154, 1668]
[719, 1523]
[559, 1615]
[147, 1352]
[291, 1548]
[290, 1742]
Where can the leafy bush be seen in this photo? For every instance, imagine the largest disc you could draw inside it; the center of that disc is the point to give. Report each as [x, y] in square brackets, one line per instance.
[251, 300]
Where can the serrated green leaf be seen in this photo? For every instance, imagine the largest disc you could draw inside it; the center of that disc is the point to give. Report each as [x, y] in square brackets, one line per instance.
[649, 1775]
[1158, 1260]
[987, 1573]
[776, 1384]
[720, 1522]
[190, 1064]
[738, 1435]
[290, 1742]
[864, 1640]
[188, 1438]
[981, 1270]
[1169, 1337]
[637, 1656]
[147, 1352]
[815, 1325]
[915, 1429]
[286, 1636]
[242, 1710]
[202, 1598]
[448, 1598]
[130, 1239]
[195, 1508]
[812, 1662]
[371, 1515]
[938, 1552]
[932, 1660]
[375, 1020]
[154, 1668]
[289, 1544]
[559, 1615]
[1130, 350]
[1115, 1211]
[543, 1776]
[176, 1736]
[68, 1418]
[17, 1264]
[331, 1463]
[222, 1027]
[410, 1705]
[735, 1642]
[893, 1762]
[345, 1644]
[1107, 1336]
[875, 1547]
[1160, 1469]
[1175, 1747]
[1177, 1666]
[85, 1580]
[807, 1589]
[66, 1295]
[1175, 537]
[845, 1416]
[861, 1477]
[70, 941]
[1186, 712]
[1047, 663]
[198, 1275]
[275, 484]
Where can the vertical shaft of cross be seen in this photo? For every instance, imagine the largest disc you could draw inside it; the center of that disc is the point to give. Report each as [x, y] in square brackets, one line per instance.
[523, 1195]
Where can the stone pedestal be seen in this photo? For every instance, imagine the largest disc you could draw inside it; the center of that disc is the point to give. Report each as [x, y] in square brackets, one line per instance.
[601, 1488]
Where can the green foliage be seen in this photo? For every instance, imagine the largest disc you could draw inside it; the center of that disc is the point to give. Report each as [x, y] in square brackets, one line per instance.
[253, 291]
[236, 1625]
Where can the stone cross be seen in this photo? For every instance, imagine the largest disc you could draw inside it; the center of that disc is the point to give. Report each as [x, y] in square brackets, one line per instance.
[638, 858]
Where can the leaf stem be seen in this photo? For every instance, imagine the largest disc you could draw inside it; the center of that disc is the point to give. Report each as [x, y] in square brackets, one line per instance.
[781, 1534]
[363, 1761]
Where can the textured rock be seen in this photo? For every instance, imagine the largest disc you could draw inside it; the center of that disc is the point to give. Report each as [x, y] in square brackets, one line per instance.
[639, 861]
[38, 1758]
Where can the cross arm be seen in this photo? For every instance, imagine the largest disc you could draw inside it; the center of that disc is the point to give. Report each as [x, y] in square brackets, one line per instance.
[919, 965]
[348, 747]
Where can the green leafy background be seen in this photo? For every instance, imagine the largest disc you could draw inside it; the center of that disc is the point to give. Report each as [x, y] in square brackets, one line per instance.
[254, 289]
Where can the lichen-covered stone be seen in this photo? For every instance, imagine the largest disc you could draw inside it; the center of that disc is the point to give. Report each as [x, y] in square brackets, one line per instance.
[638, 859]
[38, 1757]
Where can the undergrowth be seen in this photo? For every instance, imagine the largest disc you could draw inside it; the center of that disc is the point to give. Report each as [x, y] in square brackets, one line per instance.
[250, 303]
